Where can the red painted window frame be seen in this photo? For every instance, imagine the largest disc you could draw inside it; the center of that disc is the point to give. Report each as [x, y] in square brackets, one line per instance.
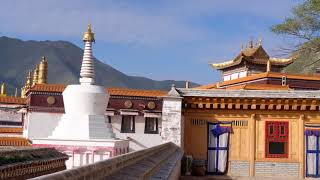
[277, 136]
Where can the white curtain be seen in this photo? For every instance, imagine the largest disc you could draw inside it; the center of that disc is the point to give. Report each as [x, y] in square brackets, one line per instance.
[217, 155]
[311, 157]
[223, 142]
[211, 153]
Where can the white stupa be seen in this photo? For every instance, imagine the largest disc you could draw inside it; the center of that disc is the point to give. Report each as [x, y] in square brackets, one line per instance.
[83, 131]
[85, 103]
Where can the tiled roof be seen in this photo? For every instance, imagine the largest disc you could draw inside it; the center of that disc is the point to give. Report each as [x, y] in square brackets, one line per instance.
[112, 91]
[207, 86]
[255, 55]
[12, 100]
[259, 87]
[48, 87]
[260, 76]
[217, 93]
[14, 141]
[136, 92]
[11, 130]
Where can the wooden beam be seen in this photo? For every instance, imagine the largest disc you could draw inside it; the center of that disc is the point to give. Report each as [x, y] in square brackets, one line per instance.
[294, 105]
[238, 104]
[215, 103]
[263, 104]
[303, 106]
[313, 106]
[271, 104]
[253, 104]
[222, 103]
[286, 105]
[279, 104]
[230, 104]
[245, 104]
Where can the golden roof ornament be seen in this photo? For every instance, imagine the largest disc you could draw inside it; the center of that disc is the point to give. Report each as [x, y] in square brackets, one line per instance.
[260, 42]
[43, 71]
[35, 75]
[29, 80]
[23, 92]
[3, 89]
[89, 35]
[251, 44]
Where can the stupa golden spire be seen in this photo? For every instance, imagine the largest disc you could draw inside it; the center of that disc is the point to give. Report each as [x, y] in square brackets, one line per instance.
[3, 89]
[29, 80]
[35, 75]
[87, 73]
[89, 35]
[43, 71]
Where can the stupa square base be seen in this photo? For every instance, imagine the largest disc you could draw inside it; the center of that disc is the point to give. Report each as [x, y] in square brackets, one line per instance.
[82, 152]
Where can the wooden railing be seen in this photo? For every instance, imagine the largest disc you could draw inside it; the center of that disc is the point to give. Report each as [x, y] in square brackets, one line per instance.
[142, 164]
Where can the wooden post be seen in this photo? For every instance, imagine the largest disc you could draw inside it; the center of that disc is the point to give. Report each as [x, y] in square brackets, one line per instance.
[301, 146]
[252, 143]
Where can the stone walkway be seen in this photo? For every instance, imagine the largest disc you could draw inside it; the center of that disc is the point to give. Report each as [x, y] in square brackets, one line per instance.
[234, 178]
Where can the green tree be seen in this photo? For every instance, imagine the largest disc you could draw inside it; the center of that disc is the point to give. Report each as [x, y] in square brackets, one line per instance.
[304, 24]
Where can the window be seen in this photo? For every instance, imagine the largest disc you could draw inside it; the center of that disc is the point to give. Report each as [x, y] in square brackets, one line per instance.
[128, 124]
[151, 126]
[276, 139]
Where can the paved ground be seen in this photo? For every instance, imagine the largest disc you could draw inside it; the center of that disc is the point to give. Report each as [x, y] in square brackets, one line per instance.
[234, 178]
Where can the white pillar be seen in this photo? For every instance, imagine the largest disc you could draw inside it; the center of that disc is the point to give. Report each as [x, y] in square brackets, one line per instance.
[172, 125]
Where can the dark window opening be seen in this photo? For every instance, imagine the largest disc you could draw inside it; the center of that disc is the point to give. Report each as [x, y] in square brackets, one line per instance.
[151, 125]
[277, 148]
[128, 124]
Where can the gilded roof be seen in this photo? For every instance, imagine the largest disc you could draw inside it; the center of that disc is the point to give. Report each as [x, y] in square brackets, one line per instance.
[12, 100]
[255, 55]
[111, 91]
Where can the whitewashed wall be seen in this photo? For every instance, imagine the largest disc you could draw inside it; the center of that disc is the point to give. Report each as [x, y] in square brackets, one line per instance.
[139, 140]
[40, 124]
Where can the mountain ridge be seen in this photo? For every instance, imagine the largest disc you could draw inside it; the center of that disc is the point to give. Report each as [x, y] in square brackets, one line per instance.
[64, 61]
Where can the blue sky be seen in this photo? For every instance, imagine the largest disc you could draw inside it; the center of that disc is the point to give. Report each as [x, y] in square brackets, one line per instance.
[164, 39]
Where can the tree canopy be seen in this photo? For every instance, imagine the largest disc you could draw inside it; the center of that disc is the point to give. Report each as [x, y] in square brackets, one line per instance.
[304, 24]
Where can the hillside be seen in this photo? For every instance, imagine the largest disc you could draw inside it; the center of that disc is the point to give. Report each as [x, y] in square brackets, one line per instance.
[64, 60]
[304, 64]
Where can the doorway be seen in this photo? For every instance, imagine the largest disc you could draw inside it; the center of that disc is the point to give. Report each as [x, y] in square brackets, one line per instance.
[218, 147]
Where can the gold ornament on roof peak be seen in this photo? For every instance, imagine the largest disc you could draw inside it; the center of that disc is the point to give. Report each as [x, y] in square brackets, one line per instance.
[89, 35]
[43, 71]
[3, 90]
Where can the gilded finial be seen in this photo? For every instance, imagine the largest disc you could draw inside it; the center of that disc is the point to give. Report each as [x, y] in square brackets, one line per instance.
[89, 35]
[43, 71]
[260, 42]
[35, 75]
[3, 90]
[251, 44]
[29, 79]
[23, 92]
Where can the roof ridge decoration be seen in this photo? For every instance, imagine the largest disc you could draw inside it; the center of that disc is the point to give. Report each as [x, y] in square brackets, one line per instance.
[173, 92]
[255, 54]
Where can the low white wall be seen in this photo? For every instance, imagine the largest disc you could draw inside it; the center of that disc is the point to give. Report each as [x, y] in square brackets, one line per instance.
[40, 124]
[138, 140]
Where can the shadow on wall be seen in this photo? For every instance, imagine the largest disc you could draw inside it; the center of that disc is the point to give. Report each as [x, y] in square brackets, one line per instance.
[136, 142]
